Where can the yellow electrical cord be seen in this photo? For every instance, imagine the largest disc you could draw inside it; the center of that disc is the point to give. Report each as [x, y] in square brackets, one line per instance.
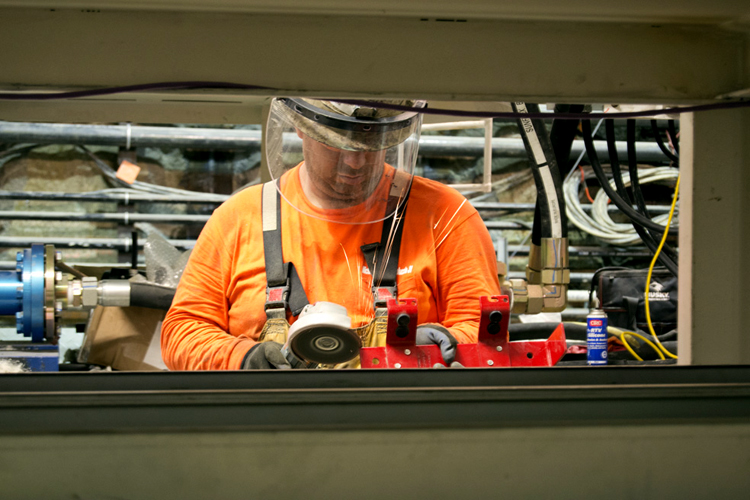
[651, 344]
[619, 333]
[651, 270]
[630, 349]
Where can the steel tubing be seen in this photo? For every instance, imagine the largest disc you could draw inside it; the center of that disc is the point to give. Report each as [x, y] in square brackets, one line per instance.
[124, 244]
[529, 207]
[123, 217]
[125, 198]
[129, 135]
[233, 139]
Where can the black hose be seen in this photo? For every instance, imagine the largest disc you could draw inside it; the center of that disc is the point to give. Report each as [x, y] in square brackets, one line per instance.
[636, 188]
[543, 163]
[619, 202]
[635, 183]
[562, 135]
[536, 228]
[660, 142]
[665, 259]
[151, 295]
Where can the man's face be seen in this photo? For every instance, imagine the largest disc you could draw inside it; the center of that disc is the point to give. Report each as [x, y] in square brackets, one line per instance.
[338, 178]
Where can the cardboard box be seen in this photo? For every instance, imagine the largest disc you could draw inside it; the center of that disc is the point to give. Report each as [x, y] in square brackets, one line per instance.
[125, 338]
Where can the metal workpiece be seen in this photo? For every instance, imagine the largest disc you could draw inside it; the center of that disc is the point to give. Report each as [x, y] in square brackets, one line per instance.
[114, 293]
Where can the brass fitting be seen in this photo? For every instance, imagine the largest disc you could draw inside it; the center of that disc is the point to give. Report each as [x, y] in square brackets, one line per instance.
[502, 271]
[547, 278]
[534, 267]
[519, 294]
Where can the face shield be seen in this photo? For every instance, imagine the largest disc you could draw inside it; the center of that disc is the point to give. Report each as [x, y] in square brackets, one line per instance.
[348, 160]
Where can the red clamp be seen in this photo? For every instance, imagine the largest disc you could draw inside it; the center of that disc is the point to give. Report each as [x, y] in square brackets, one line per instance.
[493, 348]
[401, 350]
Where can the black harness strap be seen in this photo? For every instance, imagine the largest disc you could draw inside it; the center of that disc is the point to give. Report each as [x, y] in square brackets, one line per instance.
[382, 258]
[276, 271]
[283, 285]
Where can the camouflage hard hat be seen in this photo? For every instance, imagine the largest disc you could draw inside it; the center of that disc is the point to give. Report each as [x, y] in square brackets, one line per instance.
[352, 127]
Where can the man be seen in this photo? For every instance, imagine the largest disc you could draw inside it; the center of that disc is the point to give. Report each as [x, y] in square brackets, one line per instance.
[349, 224]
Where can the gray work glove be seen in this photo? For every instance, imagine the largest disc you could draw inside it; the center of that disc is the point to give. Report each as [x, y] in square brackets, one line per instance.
[432, 333]
[265, 356]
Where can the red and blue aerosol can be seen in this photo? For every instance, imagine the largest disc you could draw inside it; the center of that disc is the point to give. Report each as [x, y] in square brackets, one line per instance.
[596, 337]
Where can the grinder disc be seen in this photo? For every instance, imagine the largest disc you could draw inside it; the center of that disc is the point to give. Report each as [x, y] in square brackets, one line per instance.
[325, 345]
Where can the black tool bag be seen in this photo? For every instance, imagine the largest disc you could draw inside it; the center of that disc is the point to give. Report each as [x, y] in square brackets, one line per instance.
[620, 294]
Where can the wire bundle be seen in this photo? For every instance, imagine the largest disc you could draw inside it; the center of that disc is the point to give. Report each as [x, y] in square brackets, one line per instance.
[600, 223]
[649, 230]
[145, 187]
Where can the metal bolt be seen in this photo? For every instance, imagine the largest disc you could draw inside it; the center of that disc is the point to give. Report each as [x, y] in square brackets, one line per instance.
[490, 362]
[407, 351]
[58, 307]
[397, 365]
[19, 292]
[58, 276]
[19, 262]
[58, 256]
[499, 348]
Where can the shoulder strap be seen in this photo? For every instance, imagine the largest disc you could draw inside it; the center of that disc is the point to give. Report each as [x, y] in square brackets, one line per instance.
[277, 273]
[283, 284]
[382, 258]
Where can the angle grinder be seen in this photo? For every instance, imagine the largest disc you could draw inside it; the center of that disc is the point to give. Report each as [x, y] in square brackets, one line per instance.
[321, 335]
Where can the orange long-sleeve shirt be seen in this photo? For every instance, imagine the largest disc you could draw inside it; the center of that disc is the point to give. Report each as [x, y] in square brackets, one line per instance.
[446, 262]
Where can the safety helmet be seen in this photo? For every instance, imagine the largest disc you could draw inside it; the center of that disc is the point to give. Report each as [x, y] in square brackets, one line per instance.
[348, 160]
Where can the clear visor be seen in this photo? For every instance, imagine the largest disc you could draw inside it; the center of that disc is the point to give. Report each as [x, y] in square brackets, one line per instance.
[339, 168]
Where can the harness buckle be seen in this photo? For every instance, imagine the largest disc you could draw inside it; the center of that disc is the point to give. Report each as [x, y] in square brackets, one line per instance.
[277, 297]
[381, 295]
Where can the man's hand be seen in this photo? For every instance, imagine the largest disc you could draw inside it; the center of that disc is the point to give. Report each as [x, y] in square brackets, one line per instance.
[438, 334]
[265, 356]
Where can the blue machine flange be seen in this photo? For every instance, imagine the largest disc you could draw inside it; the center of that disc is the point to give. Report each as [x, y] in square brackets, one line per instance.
[30, 319]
